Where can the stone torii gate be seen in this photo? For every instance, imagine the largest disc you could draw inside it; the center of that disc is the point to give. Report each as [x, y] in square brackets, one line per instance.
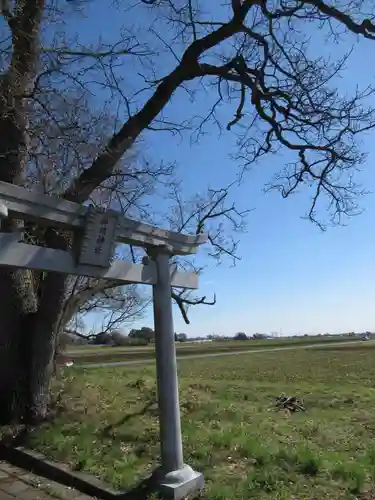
[95, 234]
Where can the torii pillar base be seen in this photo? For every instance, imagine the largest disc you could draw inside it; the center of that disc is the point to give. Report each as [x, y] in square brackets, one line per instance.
[180, 484]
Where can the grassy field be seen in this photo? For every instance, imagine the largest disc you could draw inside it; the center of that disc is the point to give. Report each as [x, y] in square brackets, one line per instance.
[110, 354]
[109, 427]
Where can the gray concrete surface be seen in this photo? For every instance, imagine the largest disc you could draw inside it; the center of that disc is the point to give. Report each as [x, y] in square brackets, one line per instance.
[16, 483]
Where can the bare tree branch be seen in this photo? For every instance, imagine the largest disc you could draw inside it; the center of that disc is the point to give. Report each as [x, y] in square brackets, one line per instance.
[184, 302]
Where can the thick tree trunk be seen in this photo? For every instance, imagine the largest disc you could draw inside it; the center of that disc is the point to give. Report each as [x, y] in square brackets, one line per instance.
[18, 301]
[16, 311]
[27, 348]
[44, 334]
[42, 353]
[18, 288]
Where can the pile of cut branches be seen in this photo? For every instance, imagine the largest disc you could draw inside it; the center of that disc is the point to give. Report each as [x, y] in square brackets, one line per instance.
[291, 404]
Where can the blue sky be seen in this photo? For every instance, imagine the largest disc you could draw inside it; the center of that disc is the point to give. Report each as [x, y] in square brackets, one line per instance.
[292, 278]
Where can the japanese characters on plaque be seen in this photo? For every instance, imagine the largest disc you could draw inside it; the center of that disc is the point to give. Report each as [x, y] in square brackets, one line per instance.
[101, 236]
[98, 240]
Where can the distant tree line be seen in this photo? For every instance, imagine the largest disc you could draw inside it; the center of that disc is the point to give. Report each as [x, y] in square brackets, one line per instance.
[136, 337]
[256, 336]
[146, 335]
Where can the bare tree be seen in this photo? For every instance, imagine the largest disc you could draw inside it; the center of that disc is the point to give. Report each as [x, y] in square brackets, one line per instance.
[212, 213]
[116, 305]
[252, 57]
[58, 151]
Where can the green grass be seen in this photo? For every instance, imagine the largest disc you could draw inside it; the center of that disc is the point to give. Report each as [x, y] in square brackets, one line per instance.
[113, 354]
[109, 424]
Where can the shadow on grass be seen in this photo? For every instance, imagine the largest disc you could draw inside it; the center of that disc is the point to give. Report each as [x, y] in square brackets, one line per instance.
[108, 430]
[13, 449]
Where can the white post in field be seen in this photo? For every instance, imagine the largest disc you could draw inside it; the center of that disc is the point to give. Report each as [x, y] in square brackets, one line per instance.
[177, 479]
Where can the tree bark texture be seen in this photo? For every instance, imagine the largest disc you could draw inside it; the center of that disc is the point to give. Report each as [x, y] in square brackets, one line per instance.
[25, 320]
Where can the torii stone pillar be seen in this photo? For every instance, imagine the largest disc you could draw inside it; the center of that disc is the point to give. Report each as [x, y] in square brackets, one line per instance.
[176, 480]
